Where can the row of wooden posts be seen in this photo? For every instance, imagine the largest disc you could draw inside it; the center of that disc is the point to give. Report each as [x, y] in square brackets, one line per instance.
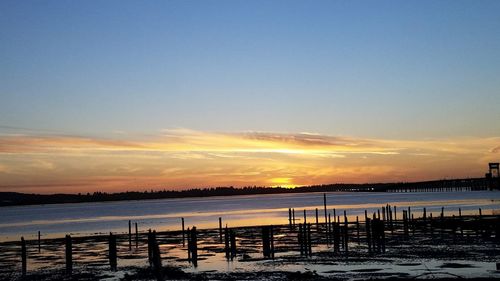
[337, 235]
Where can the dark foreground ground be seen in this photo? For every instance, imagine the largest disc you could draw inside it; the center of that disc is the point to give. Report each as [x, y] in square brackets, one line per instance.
[468, 250]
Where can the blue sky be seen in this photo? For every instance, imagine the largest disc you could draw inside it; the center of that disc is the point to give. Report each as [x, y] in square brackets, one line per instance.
[399, 69]
[118, 95]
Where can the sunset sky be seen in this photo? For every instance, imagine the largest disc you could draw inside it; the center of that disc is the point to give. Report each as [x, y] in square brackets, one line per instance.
[139, 95]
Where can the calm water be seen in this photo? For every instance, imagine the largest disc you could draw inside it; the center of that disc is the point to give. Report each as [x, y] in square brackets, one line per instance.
[90, 218]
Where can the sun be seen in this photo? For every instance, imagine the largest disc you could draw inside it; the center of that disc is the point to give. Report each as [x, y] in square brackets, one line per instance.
[283, 182]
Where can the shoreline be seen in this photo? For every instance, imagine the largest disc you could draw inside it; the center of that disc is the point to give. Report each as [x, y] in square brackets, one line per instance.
[27, 199]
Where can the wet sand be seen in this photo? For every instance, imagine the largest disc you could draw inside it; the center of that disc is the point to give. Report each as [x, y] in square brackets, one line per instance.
[441, 255]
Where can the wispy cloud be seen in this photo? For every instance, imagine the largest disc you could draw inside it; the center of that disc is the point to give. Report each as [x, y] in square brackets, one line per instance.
[185, 158]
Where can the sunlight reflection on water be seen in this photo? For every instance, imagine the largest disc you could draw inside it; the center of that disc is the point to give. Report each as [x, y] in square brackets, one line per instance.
[164, 214]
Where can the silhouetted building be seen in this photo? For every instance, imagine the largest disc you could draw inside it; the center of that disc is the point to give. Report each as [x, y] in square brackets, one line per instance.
[493, 176]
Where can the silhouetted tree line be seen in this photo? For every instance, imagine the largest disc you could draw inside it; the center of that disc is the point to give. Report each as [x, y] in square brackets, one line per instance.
[14, 198]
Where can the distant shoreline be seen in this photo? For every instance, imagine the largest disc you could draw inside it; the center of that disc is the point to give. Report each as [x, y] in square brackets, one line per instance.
[20, 199]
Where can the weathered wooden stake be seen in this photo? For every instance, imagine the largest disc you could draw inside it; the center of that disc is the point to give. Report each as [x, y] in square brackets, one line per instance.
[220, 230]
[431, 225]
[357, 230]
[346, 234]
[129, 235]
[329, 228]
[272, 242]
[23, 257]
[233, 244]
[193, 241]
[150, 248]
[69, 255]
[300, 239]
[183, 234]
[405, 224]
[309, 241]
[226, 244]
[266, 241]
[157, 267]
[317, 221]
[39, 242]
[324, 204]
[336, 237]
[136, 236]
[112, 252]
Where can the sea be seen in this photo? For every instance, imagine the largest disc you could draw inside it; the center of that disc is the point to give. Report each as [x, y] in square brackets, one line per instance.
[82, 219]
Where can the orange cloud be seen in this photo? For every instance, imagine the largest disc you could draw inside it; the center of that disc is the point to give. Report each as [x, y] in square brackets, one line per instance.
[183, 158]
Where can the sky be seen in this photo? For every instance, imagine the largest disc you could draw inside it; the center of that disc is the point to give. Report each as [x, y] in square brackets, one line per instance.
[138, 95]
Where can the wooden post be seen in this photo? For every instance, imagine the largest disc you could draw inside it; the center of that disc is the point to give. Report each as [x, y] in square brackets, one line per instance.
[305, 217]
[391, 220]
[357, 229]
[129, 235]
[346, 233]
[39, 242]
[233, 244]
[220, 230]
[336, 237]
[23, 257]
[150, 248]
[69, 255]
[382, 229]
[375, 235]
[266, 242]
[413, 224]
[329, 227]
[290, 217]
[324, 204]
[300, 238]
[226, 243]
[183, 234]
[112, 252]
[317, 221]
[194, 246]
[404, 224]
[309, 243]
[157, 267]
[430, 225]
[272, 242]
[293, 216]
[368, 234]
[136, 236]
[442, 221]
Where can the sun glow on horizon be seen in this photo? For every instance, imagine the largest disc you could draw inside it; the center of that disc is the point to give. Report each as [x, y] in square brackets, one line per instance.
[186, 158]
